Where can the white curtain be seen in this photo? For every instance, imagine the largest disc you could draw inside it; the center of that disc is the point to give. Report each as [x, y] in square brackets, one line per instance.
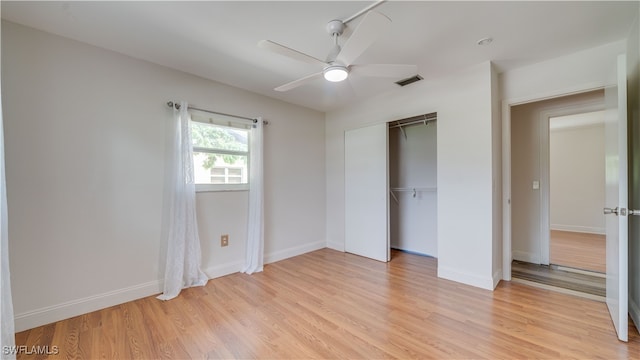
[7, 338]
[183, 244]
[255, 231]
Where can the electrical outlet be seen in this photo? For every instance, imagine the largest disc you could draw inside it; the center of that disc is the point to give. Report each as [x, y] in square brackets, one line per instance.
[224, 240]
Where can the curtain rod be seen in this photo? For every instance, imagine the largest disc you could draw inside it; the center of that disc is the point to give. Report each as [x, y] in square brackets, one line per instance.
[172, 104]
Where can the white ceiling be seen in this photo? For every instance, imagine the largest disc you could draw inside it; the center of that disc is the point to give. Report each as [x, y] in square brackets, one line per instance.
[217, 40]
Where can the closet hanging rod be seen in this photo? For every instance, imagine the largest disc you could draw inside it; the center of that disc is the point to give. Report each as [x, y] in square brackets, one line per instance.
[414, 189]
[421, 121]
[172, 104]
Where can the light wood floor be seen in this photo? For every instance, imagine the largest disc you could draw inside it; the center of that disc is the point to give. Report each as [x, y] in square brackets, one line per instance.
[327, 304]
[578, 250]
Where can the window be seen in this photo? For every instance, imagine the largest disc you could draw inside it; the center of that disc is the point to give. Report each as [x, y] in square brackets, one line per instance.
[227, 175]
[220, 155]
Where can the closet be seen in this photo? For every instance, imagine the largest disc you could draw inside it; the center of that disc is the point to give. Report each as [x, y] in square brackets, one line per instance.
[412, 184]
[390, 188]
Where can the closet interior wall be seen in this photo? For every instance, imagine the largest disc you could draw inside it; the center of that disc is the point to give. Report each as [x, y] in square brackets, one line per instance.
[412, 165]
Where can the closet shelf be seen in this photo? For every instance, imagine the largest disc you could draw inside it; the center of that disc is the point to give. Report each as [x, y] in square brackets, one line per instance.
[425, 189]
[415, 190]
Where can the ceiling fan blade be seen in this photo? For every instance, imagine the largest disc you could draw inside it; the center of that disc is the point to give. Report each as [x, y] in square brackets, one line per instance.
[385, 70]
[370, 28]
[295, 83]
[289, 52]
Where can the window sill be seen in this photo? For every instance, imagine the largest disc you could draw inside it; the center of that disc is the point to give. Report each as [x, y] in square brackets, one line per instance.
[221, 187]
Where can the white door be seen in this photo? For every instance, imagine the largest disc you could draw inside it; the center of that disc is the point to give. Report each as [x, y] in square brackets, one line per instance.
[367, 192]
[616, 199]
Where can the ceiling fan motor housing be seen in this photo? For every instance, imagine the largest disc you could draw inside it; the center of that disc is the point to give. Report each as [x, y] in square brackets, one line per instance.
[335, 27]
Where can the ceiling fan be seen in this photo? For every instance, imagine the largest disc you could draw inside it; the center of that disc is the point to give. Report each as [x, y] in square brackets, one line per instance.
[340, 61]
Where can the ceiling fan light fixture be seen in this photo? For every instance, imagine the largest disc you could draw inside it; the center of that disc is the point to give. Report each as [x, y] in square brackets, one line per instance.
[336, 73]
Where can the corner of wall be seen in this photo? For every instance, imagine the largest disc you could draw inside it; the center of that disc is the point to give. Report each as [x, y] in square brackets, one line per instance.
[335, 245]
[496, 114]
[497, 276]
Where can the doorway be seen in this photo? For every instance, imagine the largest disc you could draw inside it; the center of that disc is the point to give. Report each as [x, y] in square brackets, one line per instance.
[412, 180]
[541, 221]
[577, 180]
[619, 296]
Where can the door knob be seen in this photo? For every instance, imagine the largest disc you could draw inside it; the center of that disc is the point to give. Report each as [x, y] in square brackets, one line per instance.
[608, 211]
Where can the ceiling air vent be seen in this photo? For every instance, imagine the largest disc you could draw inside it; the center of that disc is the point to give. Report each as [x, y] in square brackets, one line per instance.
[410, 80]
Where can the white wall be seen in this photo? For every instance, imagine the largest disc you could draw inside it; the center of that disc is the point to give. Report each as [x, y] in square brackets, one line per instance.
[528, 121]
[577, 178]
[412, 164]
[576, 72]
[525, 168]
[85, 142]
[464, 157]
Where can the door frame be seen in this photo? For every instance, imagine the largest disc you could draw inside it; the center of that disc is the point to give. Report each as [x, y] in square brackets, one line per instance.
[507, 256]
[545, 168]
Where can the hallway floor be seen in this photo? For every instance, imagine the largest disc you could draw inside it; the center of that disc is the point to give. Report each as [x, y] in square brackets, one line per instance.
[578, 250]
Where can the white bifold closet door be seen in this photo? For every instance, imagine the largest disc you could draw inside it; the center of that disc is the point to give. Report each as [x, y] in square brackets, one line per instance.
[367, 192]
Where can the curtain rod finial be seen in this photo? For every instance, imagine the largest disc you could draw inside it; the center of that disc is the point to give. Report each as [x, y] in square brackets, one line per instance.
[173, 105]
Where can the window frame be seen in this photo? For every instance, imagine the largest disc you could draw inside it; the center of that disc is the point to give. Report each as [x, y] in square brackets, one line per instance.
[196, 149]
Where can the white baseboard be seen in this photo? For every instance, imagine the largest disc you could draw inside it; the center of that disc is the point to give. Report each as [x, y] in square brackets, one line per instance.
[53, 313]
[293, 251]
[634, 311]
[49, 314]
[224, 269]
[497, 276]
[335, 245]
[465, 278]
[575, 228]
[526, 257]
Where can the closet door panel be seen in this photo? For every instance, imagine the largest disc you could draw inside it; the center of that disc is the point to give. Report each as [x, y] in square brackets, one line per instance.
[367, 192]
